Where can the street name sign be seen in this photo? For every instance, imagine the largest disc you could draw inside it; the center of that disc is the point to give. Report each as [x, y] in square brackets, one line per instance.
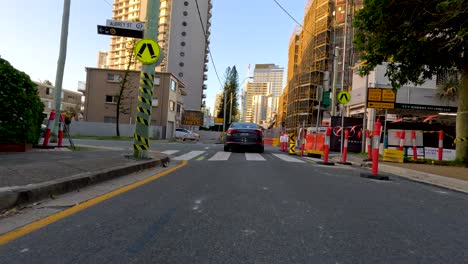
[121, 32]
[139, 26]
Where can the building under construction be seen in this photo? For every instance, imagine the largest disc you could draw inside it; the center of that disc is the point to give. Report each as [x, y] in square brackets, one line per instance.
[327, 24]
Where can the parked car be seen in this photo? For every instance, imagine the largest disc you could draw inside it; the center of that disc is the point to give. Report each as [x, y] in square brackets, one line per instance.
[184, 134]
[244, 135]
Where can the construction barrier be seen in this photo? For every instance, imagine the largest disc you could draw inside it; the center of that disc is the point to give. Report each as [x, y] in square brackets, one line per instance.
[327, 145]
[292, 143]
[413, 140]
[345, 146]
[402, 139]
[49, 128]
[303, 139]
[369, 145]
[441, 144]
[311, 147]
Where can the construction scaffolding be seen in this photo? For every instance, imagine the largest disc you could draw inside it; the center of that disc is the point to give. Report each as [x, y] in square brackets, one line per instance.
[327, 24]
[313, 57]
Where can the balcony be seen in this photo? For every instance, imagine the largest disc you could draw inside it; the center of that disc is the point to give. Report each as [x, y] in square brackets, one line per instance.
[205, 77]
[205, 68]
[206, 59]
[204, 87]
[203, 96]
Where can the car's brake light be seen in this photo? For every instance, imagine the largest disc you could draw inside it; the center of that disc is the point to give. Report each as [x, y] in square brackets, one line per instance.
[258, 132]
[231, 131]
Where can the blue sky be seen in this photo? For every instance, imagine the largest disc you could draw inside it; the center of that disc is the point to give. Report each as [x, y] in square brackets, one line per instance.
[243, 32]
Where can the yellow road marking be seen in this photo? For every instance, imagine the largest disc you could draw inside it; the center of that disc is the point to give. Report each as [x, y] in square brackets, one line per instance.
[7, 237]
[200, 158]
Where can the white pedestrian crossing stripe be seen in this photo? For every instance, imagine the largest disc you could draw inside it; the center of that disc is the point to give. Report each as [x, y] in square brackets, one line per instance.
[254, 156]
[221, 155]
[170, 152]
[190, 155]
[288, 158]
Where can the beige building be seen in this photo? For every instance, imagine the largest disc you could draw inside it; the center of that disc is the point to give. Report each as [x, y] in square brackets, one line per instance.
[253, 89]
[70, 100]
[102, 89]
[102, 59]
[183, 39]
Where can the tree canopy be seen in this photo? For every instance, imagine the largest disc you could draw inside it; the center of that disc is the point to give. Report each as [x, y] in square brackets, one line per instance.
[231, 87]
[418, 38]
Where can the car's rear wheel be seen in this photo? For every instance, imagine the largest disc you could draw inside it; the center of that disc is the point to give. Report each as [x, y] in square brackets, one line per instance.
[261, 149]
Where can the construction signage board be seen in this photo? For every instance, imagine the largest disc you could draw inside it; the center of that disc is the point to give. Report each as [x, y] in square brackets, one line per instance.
[121, 32]
[381, 98]
[192, 118]
[218, 120]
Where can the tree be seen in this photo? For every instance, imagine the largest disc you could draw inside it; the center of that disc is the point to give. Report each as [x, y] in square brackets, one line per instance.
[449, 87]
[418, 38]
[125, 89]
[230, 89]
[21, 108]
[47, 82]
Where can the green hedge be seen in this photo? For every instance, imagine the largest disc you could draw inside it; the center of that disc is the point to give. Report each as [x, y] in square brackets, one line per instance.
[20, 106]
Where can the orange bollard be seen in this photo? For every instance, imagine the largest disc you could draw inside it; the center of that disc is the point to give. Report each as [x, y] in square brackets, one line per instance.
[326, 148]
[60, 132]
[441, 144]
[402, 140]
[49, 128]
[304, 135]
[376, 145]
[369, 145]
[375, 155]
[413, 140]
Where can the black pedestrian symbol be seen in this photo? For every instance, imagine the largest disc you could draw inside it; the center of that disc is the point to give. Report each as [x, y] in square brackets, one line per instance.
[150, 49]
[345, 96]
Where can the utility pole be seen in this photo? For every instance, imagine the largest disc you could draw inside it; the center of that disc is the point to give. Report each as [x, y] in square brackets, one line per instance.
[145, 92]
[224, 109]
[335, 69]
[61, 65]
[230, 108]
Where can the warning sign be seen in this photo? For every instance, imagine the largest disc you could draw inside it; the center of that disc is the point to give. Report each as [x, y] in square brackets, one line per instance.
[381, 98]
[147, 51]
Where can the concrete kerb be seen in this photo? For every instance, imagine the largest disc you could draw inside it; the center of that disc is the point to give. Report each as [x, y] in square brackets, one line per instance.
[20, 195]
[418, 176]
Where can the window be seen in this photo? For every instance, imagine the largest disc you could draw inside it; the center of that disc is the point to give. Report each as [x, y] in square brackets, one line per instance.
[185, 3]
[173, 85]
[111, 99]
[185, 13]
[48, 91]
[182, 43]
[182, 54]
[179, 107]
[184, 33]
[184, 24]
[181, 74]
[111, 77]
[171, 105]
[109, 119]
[181, 64]
[157, 81]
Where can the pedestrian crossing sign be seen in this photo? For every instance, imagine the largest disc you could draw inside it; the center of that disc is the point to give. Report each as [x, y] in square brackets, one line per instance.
[147, 51]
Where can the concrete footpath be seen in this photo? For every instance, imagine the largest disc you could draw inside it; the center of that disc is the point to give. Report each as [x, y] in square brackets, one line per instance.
[454, 178]
[32, 176]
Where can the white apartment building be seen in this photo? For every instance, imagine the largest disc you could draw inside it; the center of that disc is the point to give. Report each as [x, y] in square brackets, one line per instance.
[253, 89]
[270, 73]
[183, 40]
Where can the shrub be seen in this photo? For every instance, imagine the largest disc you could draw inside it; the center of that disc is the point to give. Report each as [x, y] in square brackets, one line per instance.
[20, 106]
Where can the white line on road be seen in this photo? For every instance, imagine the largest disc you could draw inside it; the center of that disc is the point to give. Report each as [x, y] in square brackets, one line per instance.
[254, 156]
[190, 155]
[287, 158]
[170, 152]
[221, 155]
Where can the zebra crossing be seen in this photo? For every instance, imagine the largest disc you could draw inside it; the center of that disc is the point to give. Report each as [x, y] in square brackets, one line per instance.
[225, 156]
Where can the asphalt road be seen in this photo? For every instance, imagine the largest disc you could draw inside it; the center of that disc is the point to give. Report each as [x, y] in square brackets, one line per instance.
[249, 208]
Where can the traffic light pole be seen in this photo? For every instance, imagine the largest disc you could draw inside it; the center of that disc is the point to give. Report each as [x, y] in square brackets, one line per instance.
[145, 91]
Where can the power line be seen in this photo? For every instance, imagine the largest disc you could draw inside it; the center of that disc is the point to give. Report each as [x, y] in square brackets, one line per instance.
[206, 38]
[107, 2]
[297, 22]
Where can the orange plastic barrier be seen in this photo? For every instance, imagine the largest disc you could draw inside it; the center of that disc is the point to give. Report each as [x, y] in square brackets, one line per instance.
[310, 142]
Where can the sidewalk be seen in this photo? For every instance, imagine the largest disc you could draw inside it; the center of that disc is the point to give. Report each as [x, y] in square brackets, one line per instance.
[31, 176]
[455, 178]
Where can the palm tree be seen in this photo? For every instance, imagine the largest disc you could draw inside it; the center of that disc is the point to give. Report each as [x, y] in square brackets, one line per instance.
[449, 87]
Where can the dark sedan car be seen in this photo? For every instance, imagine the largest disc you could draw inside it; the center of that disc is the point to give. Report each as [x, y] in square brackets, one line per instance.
[245, 135]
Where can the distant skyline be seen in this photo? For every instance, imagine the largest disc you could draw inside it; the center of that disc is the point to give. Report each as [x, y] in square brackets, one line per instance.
[242, 33]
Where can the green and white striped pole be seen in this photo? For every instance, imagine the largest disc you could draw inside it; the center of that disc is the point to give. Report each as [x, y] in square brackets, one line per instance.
[145, 93]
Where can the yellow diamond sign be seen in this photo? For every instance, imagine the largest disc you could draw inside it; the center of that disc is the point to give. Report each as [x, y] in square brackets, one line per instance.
[147, 51]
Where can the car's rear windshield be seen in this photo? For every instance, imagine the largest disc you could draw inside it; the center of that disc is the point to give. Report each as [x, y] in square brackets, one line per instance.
[244, 125]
